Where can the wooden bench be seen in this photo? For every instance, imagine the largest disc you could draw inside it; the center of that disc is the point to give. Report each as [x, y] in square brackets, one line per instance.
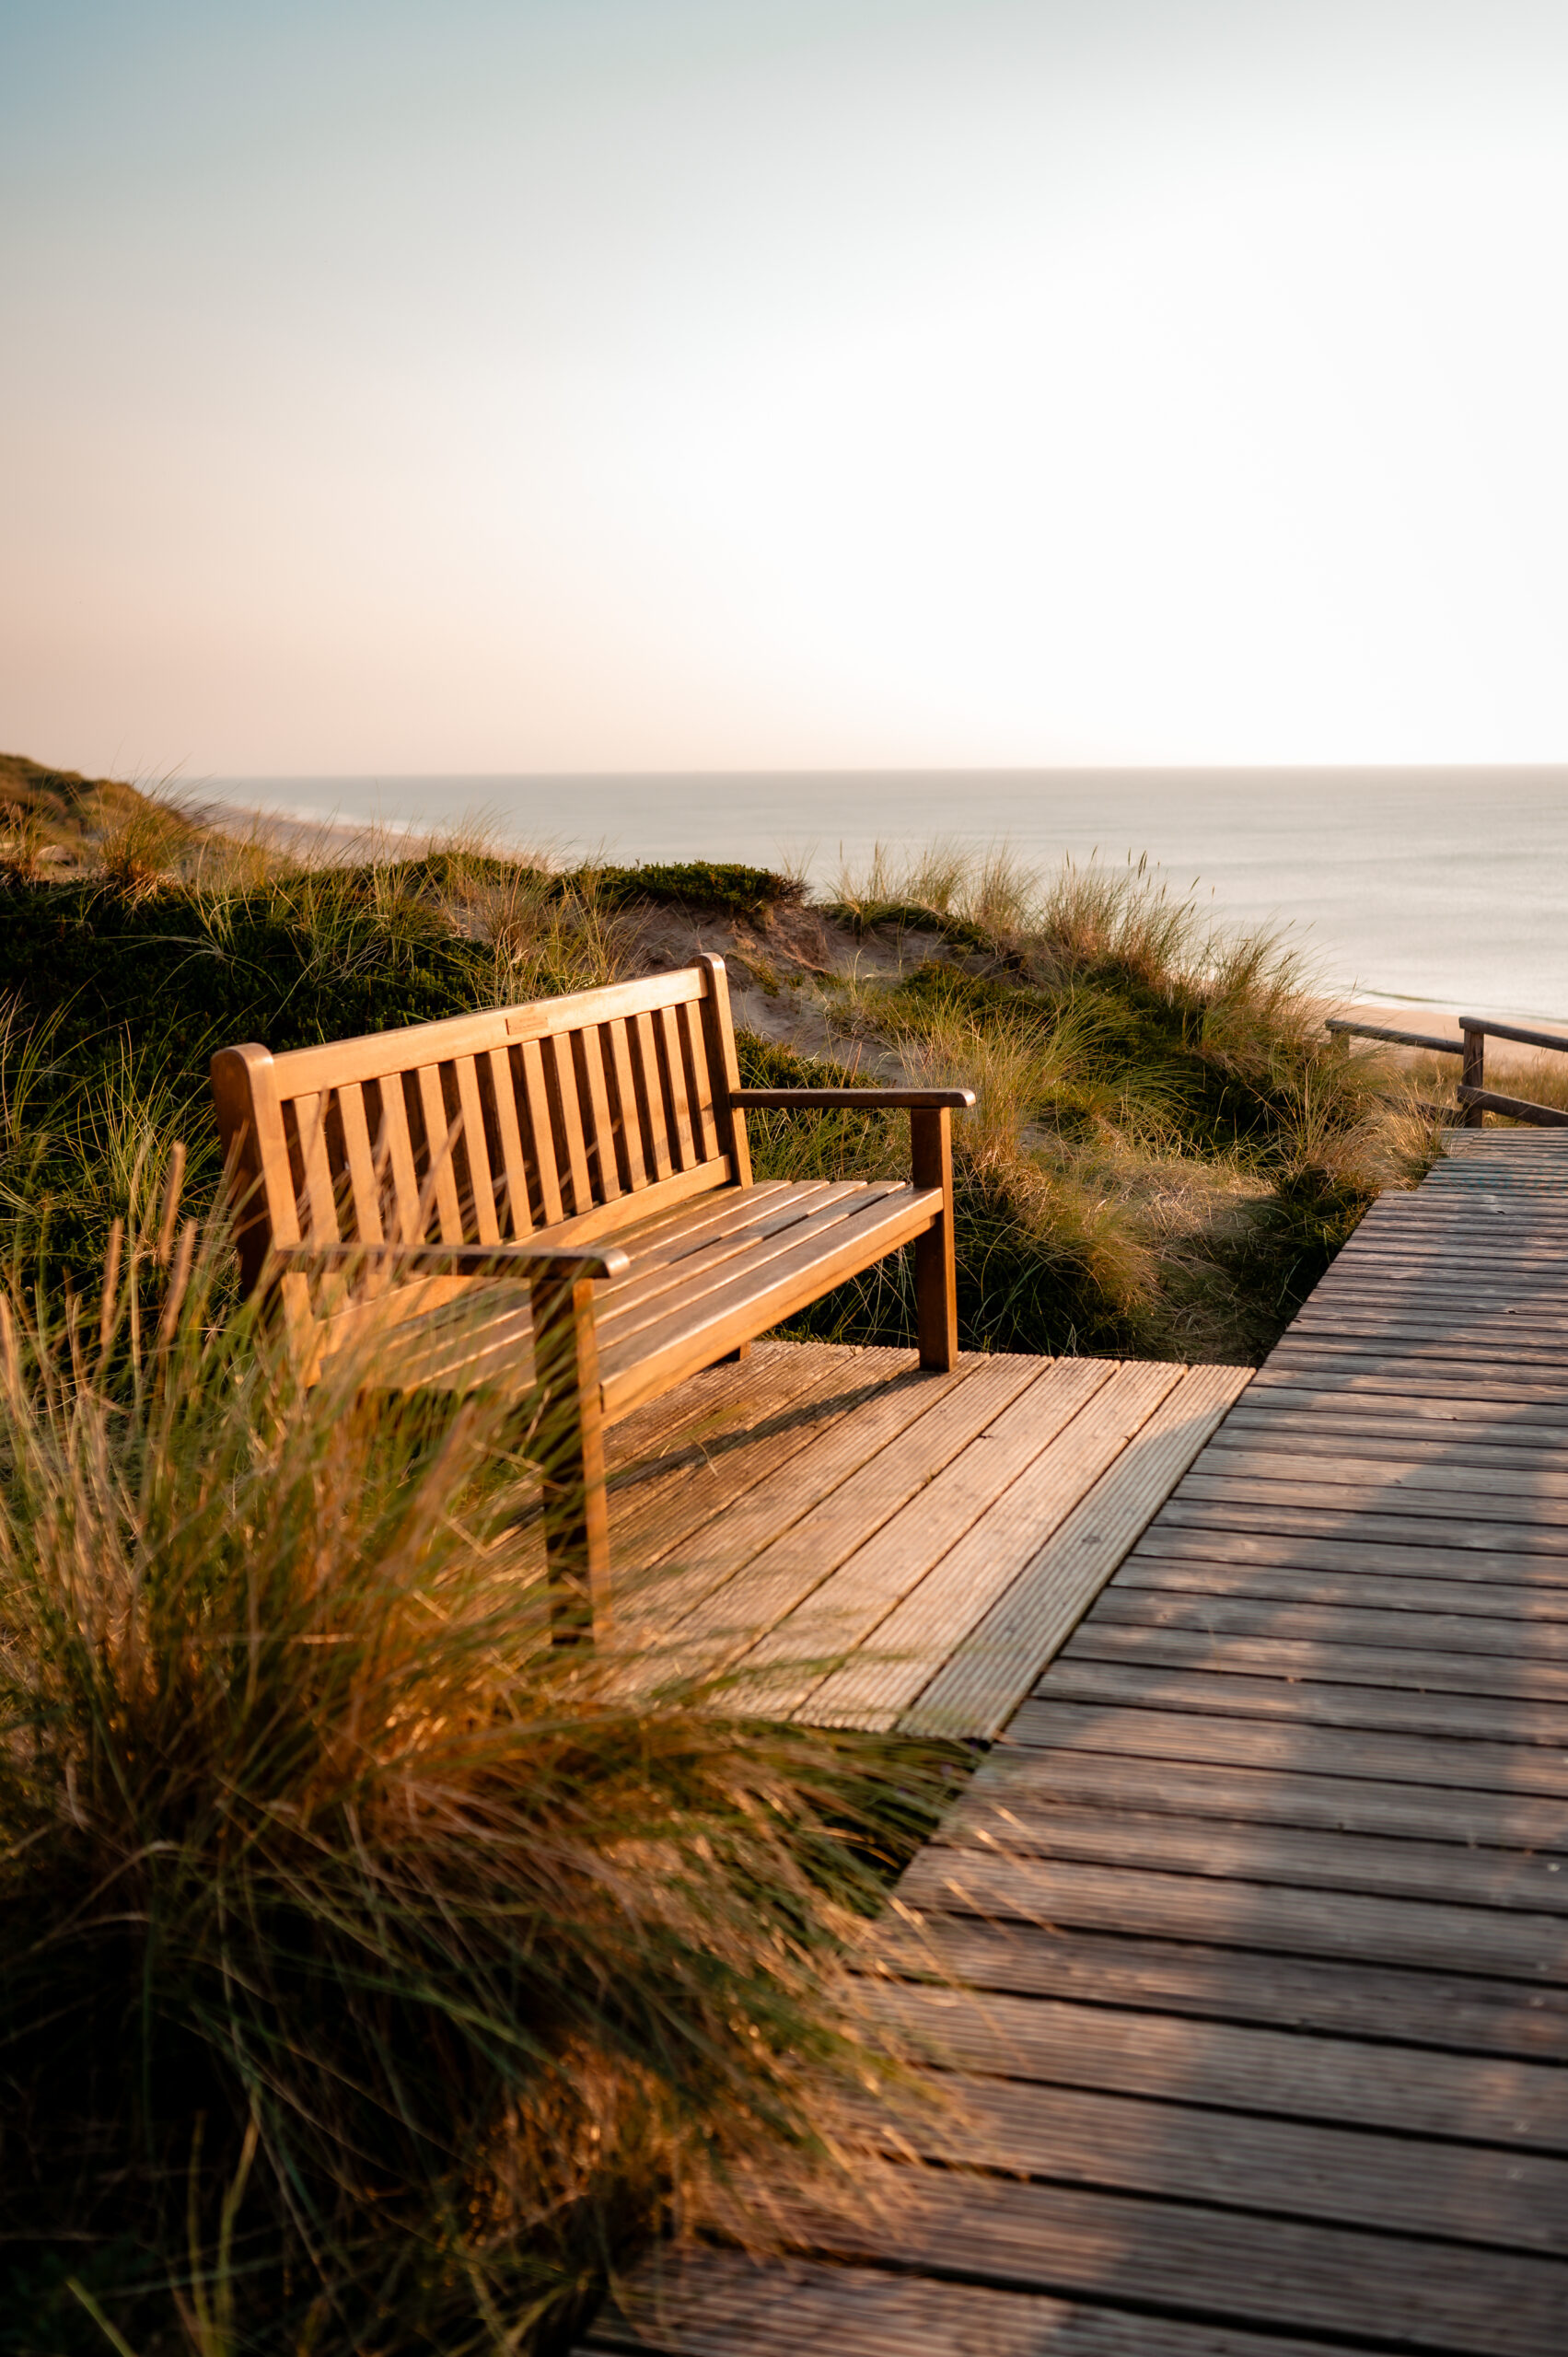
[393, 1191]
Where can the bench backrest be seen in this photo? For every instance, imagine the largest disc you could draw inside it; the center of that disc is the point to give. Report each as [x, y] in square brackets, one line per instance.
[489, 1127]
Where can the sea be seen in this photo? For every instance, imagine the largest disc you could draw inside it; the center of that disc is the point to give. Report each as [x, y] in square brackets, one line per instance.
[1446, 888]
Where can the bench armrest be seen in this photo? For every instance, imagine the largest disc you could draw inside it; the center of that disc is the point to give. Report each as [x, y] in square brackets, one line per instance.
[525, 1260]
[869, 1100]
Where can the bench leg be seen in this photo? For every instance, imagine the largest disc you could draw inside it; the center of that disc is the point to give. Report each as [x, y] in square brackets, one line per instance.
[936, 1273]
[577, 1520]
[733, 1358]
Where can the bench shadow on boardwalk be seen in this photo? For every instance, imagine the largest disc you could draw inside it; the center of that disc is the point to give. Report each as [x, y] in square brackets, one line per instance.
[1253, 1920]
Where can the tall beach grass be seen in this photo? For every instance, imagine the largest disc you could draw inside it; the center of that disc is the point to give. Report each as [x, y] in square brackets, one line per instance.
[374, 1975]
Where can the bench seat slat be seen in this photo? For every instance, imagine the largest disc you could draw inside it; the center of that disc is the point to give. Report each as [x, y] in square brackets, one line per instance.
[459, 1317]
[768, 1275]
[697, 1274]
[650, 1360]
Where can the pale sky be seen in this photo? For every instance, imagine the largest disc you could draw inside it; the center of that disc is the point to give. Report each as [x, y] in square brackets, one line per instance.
[496, 385]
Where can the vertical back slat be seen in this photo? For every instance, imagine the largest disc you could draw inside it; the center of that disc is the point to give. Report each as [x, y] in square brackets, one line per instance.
[361, 1161]
[649, 1094]
[627, 1114]
[598, 1136]
[724, 1067]
[699, 1094]
[520, 1209]
[433, 1106]
[541, 1132]
[394, 1150]
[672, 1072]
[561, 1079]
[476, 1150]
[310, 1123]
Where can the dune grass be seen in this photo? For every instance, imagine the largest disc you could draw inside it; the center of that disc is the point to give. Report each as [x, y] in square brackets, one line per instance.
[1166, 1152]
[373, 1974]
[1167, 1149]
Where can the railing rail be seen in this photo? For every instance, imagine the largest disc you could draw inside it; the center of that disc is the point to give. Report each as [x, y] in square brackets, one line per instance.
[1474, 1096]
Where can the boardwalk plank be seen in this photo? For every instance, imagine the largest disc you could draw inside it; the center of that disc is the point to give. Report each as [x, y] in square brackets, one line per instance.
[1350, 2082]
[1027, 1781]
[1529, 1614]
[722, 2305]
[1420, 2014]
[1133, 1721]
[1269, 1915]
[1462, 1718]
[1204, 2263]
[986, 1677]
[1238, 2161]
[1307, 1858]
[920, 1636]
[1328, 1660]
[1335, 1622]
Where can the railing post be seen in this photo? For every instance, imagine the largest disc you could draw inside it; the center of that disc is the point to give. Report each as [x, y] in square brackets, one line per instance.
[1473, 1074]
[936, 1276]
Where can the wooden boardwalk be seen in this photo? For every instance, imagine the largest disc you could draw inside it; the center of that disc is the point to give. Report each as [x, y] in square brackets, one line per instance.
[1257, 1918]
[859, 1544]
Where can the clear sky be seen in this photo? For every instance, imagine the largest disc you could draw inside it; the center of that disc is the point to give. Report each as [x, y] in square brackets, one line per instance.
[493, 384]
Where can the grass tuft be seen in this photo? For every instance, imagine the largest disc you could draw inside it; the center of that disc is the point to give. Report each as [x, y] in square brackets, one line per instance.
[373, 1974]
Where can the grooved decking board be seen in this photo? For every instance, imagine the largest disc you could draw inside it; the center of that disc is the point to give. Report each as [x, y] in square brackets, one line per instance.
[774, 1580]
[1527, 1613]
[1450, 1672]
[986, 1677]
[1193, 1539]
[827, 1525]
[727, 2303]
[1020, 1782]
[1270, 1914]
[1309, 1858]
[1108, 1406]
[773, 1507]
[1331, 1620]
[1055, 2042]
[1133, 1722]
[1498, 1721]
[1235, 2267]
[1237, 2160]
[1383, 2009]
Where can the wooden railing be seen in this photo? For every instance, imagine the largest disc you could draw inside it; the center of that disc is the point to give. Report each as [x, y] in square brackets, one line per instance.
[1475, 1097]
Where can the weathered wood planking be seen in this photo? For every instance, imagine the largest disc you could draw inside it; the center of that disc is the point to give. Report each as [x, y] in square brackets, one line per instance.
[1245, 1952]
[891, 1548]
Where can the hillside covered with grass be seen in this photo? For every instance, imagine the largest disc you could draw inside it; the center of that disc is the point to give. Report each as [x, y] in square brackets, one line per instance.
[1166, 1151]
[375, 1973]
